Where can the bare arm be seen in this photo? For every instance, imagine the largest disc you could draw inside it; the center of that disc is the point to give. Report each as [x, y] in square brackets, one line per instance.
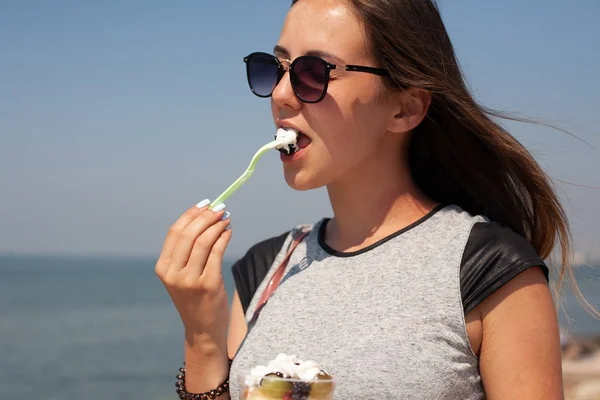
[190, 267]
[237, 326]
[520, 353]
[236, 334]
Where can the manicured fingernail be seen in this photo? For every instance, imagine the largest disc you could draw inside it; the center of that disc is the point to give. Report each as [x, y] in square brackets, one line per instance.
[226, 216]
[219, 207]
[203, 203]
[228, 227]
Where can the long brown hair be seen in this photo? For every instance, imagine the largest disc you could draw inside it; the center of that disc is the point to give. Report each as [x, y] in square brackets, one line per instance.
[459, 154]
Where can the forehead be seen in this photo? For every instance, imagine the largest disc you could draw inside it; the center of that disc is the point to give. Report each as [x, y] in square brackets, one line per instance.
[324, 25]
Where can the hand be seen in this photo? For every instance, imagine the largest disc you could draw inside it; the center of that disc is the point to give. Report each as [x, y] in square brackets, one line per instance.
[190, 267]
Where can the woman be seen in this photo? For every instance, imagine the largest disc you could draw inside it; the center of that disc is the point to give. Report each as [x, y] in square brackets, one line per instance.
[428, 282]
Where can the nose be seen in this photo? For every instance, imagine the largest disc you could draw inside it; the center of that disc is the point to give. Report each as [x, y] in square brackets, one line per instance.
[283, 95]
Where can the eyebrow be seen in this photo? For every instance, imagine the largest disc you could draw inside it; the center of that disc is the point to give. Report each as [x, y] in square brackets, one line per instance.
[318, 53]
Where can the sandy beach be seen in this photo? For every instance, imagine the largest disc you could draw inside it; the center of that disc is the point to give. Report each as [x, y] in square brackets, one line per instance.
[581, 368]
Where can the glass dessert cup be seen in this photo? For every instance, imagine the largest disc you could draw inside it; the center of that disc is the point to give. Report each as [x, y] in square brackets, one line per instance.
[274, 387]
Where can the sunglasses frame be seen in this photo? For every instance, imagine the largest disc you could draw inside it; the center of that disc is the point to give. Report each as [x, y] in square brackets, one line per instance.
[328, 67]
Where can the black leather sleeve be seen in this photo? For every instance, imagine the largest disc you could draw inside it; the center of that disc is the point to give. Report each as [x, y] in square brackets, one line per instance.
[249, 271]
[493, 256]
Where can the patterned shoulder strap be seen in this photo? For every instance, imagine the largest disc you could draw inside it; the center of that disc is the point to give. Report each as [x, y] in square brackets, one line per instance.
[278, 275]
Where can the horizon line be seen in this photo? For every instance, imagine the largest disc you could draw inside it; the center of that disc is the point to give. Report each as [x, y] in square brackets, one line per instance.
[113, 256]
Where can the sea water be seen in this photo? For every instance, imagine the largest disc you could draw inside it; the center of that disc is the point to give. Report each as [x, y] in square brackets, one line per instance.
[74, 328]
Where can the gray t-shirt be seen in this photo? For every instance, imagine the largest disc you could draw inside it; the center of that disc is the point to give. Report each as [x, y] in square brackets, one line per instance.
[387, 323]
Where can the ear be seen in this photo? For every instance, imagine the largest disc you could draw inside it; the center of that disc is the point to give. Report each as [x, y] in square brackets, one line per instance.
[410, 107]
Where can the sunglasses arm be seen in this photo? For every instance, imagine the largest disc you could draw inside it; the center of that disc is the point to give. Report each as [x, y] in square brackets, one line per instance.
[370, 70]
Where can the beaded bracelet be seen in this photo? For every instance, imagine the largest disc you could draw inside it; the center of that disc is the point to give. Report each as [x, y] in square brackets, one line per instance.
[211, 394]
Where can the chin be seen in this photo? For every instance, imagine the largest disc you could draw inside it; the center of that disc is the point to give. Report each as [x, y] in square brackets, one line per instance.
[303, 180]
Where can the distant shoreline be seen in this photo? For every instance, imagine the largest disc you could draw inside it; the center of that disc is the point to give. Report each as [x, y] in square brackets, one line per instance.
[91, 256]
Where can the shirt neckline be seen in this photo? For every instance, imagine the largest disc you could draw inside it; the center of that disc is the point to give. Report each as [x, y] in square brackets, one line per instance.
[331, 251]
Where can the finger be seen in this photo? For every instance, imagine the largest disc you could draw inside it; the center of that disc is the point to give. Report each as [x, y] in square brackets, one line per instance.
[174, 231]
[203, 247]
[189, 234]
[184, 220]
[213, 269]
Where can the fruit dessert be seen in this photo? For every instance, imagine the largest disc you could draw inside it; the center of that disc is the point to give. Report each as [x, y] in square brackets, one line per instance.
[288, 378]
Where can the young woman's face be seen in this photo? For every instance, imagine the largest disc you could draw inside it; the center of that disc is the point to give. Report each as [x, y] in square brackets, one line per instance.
[346, 128]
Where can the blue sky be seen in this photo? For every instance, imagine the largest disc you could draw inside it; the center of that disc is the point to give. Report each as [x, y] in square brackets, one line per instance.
[115, 116]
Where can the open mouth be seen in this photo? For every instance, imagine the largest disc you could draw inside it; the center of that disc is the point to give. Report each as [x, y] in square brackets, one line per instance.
[302, 140]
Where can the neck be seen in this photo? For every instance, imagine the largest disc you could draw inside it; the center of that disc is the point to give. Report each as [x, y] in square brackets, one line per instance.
[374, 200]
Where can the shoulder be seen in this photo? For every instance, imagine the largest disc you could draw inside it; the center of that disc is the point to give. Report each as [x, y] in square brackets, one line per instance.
[250, 270]
[266, 250]
[493, 255]
[260, 252]
[490, 241]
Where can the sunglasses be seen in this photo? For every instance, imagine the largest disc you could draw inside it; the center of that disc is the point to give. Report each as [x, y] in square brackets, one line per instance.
[309, 75]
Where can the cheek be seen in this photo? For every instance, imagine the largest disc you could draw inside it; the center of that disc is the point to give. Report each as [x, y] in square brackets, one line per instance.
[349, 130]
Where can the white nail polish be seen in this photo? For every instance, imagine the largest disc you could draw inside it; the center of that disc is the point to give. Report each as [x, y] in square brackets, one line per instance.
[219, 207]
[228, 227]
[226, 216]
[203, 203]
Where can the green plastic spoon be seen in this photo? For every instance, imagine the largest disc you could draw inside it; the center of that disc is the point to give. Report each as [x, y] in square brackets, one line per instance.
[283, 139]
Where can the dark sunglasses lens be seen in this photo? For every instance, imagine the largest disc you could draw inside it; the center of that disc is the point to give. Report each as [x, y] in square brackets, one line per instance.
[262, 74]
[309, 78]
